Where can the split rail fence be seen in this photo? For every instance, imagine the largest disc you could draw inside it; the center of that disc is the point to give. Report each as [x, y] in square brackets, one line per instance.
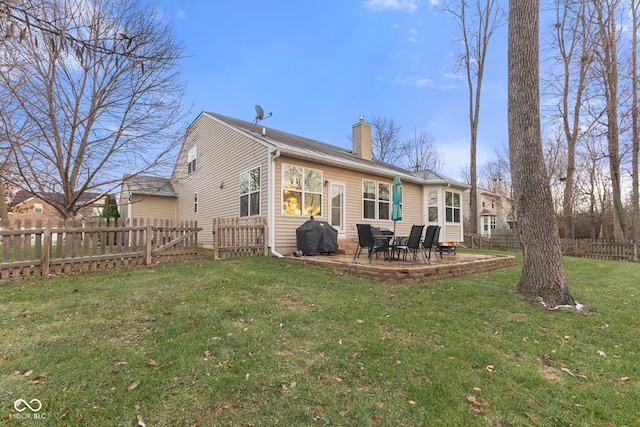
[616, 250]
[41, 249]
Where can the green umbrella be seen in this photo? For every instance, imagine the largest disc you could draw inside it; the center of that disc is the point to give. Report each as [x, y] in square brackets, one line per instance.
[396, 210]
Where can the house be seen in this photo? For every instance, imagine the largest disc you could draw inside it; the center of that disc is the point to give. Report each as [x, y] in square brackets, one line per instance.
[496, 216]
[145, 196]
[233, 168]
[27, 206]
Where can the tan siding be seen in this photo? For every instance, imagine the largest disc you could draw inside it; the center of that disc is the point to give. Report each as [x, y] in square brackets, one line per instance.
[452, 233]
[287, 224]
[223, 154]
[156, 207]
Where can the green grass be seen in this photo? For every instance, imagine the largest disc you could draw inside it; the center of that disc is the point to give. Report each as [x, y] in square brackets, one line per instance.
[259, 342]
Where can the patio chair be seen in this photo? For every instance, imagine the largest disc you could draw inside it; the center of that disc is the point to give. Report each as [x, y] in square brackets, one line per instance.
[431, 242]
[413, 244]
[367, 240]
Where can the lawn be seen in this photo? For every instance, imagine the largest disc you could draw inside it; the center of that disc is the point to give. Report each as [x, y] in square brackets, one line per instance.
[265, 341]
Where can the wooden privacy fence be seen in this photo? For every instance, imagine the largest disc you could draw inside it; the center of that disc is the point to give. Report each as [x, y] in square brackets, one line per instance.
[616, 250]
[239, 237]
[90, 245]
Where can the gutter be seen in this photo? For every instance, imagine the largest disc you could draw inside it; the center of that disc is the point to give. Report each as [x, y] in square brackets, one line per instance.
[275, 154]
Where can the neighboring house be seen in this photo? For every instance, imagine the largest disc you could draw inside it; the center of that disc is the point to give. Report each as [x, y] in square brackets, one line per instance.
[31, 207]
[233, 168]
[495, 212]
[147, 197]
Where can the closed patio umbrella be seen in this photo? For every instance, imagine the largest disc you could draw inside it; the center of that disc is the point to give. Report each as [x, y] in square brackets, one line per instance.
[396, 209]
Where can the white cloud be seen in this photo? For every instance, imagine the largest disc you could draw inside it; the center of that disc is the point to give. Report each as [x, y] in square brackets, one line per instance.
[379, 5]
[181, 14]
[414, 81]
[434, 2]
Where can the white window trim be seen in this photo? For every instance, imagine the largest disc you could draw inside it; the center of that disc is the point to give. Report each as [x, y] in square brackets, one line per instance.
[302, 190]
[248, 194]
[377, 200]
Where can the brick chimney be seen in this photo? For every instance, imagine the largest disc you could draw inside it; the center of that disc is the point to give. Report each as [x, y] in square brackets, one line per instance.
[362, 139]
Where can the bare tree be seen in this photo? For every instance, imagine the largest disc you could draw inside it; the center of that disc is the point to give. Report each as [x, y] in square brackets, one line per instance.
[420, 152]
[89, 91]
[385, 140]
[496, 176]
[635, 130]
[543, 272]
[606, 66]
[573, 39]
[478, 20]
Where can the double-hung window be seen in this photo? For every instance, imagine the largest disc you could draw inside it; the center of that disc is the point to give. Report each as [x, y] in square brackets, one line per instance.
[376, 200]
[191, 160]
[301, 190]
[250, 192]
[432, 200]
[452, 206]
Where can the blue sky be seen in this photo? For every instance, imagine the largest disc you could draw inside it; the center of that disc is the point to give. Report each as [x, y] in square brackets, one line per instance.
[318, 65]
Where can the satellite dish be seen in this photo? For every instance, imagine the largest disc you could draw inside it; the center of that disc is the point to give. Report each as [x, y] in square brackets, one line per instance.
[259, 113]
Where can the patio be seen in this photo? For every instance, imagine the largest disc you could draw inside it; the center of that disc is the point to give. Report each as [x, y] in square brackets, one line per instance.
[460, 264]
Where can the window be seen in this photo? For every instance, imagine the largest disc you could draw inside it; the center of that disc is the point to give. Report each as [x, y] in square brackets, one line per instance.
[195, 202]
[191, 160]
[452, 206]
[38, 208]
[301, 190]
[250, 192]
[493, 223]
[432, 206]
[376, 200]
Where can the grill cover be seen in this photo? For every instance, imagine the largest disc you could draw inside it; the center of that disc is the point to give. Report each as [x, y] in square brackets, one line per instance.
[315, 237]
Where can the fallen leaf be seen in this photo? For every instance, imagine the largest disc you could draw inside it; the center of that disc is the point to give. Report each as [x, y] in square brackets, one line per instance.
[475, 401]
[343, 413]
[118, 362]
[255, 399]
[338, 379]
[534, 400]
[622, 380]
[360, 321]
[141, 422]
[380, 404]
[489, 368]
[285, 389]
[404, 396]
[568, 371]
[134, 385]
[152, 362]
[601, 353]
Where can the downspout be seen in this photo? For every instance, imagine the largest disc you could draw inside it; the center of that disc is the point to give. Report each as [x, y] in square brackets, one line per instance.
[271, 203]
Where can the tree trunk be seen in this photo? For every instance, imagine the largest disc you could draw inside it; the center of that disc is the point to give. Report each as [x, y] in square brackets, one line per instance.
[4, 215]
[543, 272]
[635, 131]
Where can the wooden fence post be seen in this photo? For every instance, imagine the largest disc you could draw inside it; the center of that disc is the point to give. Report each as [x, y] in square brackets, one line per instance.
[149, 244]
[215, 238]
[265, 236]
[46, 249]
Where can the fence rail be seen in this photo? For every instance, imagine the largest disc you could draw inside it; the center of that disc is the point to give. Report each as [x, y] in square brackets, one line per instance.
[34, 250]
[239, 237]
[617, 250]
